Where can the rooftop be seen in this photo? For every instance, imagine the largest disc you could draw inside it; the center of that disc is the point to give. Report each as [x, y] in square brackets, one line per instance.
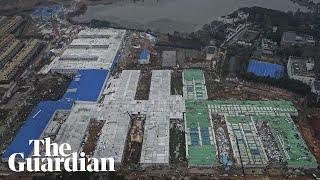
[93, 49]
[34, 126]
[301, 66]
[268, 46]
[197, 121]
[120, 102]
[169, 58]
[144, 54]
[89, 43]
[73, 130]
[161, 108]
[244, 115]
[293, 37]
[194, 84]
[265, 69]
[86, 86]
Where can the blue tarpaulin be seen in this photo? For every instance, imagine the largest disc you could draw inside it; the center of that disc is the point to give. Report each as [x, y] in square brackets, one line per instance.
[265, 69]
[144, 55]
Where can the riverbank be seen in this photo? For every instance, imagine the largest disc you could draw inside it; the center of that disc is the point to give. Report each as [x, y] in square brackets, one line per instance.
[217, 30]
[170, 16]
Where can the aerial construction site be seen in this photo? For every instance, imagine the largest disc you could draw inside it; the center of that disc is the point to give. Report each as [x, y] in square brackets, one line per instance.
[158, 111]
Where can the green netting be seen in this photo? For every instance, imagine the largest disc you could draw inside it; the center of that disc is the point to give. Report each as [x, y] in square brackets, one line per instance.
[193, 74]
[194, 79]
[197, 114]
[283, 129]
[288, 137]
[202, 155]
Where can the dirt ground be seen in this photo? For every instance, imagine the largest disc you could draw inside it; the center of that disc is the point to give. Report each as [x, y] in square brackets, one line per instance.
[143, 88]
[94, 133]
[176, 82]
[245, 90]
[315, 123]
[309, 128]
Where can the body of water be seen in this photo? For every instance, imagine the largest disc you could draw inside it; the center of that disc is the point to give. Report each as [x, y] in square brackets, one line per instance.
[174, 15]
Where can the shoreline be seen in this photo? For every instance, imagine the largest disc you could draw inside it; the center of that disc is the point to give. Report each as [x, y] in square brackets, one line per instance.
[172, 25]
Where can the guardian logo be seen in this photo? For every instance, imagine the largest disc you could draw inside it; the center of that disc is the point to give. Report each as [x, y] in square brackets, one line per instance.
[57, 157]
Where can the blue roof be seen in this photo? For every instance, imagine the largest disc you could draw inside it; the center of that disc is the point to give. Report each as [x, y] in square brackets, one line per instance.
[84, 82]
[144, 54]
[34, 126]
[265, 69]
[86, 86]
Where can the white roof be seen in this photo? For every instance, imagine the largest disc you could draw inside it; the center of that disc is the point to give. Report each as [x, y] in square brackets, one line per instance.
[160, 107]
[93, 49]
[73, 130]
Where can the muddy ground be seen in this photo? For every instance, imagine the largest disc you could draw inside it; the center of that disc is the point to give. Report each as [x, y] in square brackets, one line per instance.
[143, 88]
[308, 123]
[176, 82]
[315, 123]
[93, 136]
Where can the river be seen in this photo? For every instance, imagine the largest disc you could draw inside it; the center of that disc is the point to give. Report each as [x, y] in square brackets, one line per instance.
[174, 15]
